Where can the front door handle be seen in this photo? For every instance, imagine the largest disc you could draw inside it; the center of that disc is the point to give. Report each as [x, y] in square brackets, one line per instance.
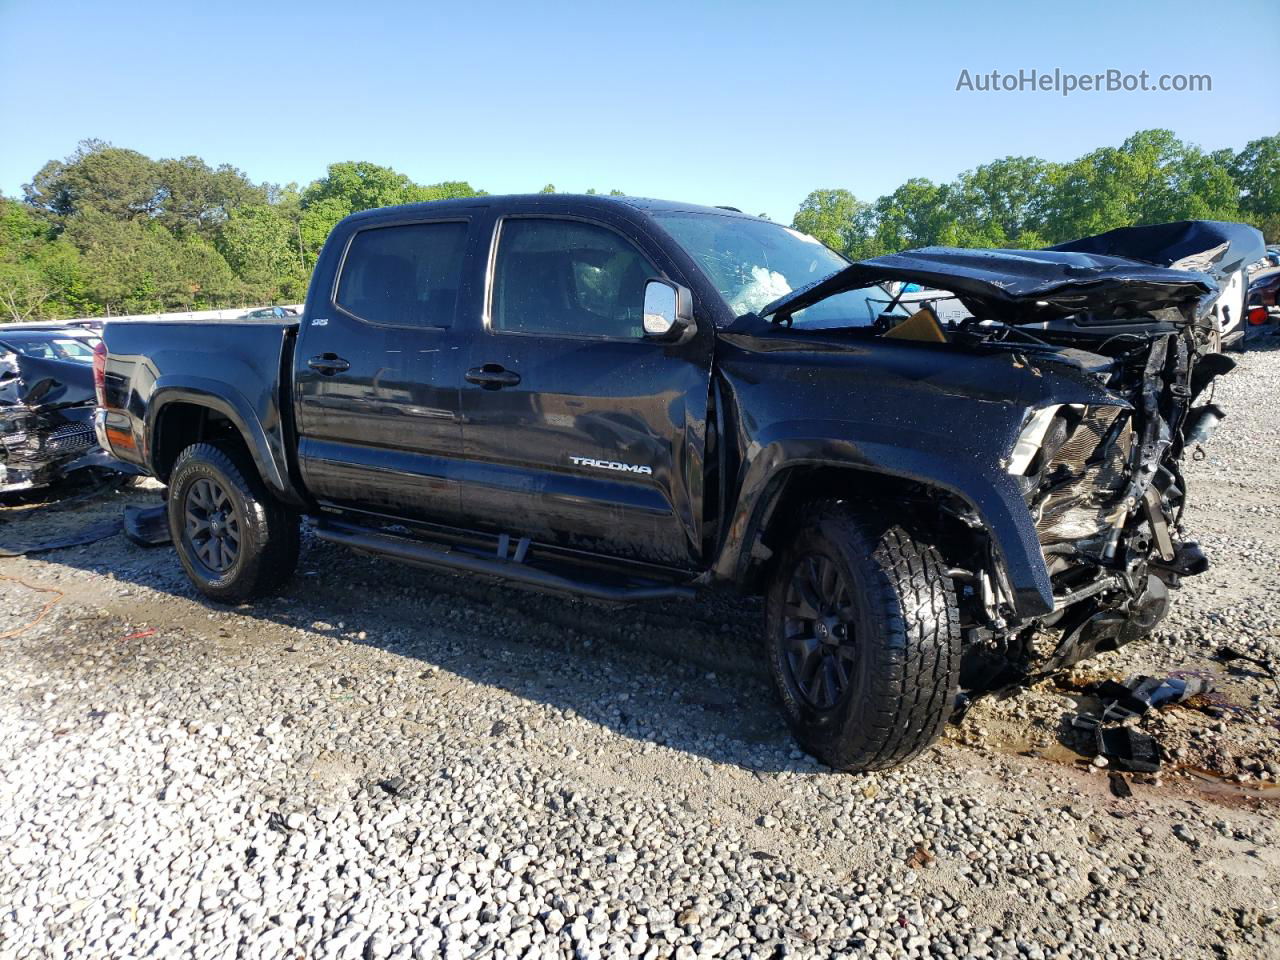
[493, 376]
[328, 364]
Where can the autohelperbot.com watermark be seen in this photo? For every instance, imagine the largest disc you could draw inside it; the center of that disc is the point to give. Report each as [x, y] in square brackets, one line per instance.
[1066, 82]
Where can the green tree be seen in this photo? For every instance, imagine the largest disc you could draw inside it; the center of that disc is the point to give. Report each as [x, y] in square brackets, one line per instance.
[260, 243]
[917, 214]
[194, 196]
[120, 183]
[359, 185]
[41, 276]
[834, 216]
[1002, 203]
[448, 190]
[23, 292]
[1150, 178]
[1256, 170]
[135, 267]
[1178, 181]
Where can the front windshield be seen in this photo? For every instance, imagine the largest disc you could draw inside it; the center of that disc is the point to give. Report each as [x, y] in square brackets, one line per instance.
[754, 262]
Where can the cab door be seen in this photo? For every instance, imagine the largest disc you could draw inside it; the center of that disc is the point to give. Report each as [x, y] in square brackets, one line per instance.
[578, 431]
[377, 372]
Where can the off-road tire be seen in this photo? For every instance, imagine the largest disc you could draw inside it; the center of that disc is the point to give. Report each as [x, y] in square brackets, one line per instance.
[905, 629]
[269, 534]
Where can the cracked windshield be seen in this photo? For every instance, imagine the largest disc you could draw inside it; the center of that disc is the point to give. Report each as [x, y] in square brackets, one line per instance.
[754, 262]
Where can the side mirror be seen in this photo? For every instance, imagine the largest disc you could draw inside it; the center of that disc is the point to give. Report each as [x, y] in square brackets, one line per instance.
[668, 310]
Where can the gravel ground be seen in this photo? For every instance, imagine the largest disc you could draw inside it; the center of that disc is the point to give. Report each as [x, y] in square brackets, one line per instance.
[385, 762]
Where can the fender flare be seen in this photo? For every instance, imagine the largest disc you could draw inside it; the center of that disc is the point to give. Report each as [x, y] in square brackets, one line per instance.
[266, 448]
[995, 499]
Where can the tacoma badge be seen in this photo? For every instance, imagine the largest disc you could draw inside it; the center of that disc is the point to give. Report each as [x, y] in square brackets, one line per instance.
[611, 465]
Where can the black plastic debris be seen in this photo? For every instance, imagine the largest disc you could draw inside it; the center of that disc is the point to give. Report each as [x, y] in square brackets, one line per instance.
[393, 785]
[1139, 694]
[1124, 747]
[1119, 785]
[147, 526]
[1127, 749]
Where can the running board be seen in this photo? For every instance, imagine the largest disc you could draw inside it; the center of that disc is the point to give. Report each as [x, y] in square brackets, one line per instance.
[453, 558]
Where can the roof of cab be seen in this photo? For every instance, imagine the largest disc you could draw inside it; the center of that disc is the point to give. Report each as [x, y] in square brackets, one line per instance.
[585, 200]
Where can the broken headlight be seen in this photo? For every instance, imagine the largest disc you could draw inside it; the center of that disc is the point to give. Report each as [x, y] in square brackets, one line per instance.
[1045, 431]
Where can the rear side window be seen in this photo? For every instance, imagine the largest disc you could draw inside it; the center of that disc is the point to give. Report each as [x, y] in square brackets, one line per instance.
[406, 275]
[565, 278]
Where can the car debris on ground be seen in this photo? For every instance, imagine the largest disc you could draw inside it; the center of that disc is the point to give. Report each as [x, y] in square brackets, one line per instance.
[147, 526]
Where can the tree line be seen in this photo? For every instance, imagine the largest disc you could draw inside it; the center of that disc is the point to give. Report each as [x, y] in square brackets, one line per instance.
[1029, 203]
[108, 230]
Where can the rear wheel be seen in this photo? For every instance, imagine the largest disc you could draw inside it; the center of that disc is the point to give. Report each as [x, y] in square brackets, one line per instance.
[863, 639]
[235, 541]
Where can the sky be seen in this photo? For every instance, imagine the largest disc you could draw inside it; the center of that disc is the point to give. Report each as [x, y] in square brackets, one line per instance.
[742, 103]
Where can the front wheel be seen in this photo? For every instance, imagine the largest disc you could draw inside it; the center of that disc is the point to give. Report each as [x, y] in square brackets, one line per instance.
[235, 541]
[863, 639]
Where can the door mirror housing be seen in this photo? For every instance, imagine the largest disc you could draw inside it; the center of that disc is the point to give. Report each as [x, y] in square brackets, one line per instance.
[668, 310]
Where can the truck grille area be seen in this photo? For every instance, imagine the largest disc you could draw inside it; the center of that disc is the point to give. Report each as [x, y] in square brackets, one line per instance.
[69, 438]
[28, 439]
[1083, 479]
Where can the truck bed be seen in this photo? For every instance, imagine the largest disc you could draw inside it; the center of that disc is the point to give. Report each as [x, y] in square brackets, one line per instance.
[237, 367]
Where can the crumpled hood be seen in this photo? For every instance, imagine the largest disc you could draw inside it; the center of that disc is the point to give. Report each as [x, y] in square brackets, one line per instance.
[1115, 274]
[1214, 247]
[47, 384]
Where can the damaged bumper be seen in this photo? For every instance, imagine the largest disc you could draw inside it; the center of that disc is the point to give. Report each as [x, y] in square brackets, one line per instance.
[46, 425]
[38, 448]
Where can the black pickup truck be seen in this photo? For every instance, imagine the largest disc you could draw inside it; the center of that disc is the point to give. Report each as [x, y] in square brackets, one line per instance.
[631, 399]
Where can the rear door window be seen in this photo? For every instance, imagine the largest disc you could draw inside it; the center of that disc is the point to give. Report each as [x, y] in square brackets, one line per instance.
[405, 275]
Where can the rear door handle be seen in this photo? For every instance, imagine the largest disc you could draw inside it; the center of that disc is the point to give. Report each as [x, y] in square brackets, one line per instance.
[328, 364]
[493, 376]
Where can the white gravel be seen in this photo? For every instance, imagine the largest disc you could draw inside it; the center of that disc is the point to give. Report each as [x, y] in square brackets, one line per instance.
[391, 763]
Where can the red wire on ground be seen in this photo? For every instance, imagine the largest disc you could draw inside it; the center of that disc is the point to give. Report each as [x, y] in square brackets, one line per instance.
[43, 610]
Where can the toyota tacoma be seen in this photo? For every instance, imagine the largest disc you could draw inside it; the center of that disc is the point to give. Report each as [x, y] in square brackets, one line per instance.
[937, 466]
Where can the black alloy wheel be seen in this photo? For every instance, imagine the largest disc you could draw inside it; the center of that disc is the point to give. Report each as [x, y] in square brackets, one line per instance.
[212, 525]
[862, 635]
[821, 642]
[234, 539]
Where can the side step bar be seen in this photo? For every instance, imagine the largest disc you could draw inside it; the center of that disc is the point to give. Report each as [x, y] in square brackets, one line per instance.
[452, 558]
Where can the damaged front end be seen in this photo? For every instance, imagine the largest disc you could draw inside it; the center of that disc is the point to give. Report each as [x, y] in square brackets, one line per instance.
[1102, 481]
[1105, 489]
[46, 424]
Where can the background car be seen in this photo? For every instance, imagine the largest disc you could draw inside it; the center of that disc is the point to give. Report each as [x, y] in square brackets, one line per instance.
[1264, 302]
[43, 343]
[268, 313]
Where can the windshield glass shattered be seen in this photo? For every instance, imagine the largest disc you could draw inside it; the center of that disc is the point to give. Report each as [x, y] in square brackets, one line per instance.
[754, 262]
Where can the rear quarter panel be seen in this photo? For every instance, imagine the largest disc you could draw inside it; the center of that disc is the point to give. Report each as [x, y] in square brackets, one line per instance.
[234, 367]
